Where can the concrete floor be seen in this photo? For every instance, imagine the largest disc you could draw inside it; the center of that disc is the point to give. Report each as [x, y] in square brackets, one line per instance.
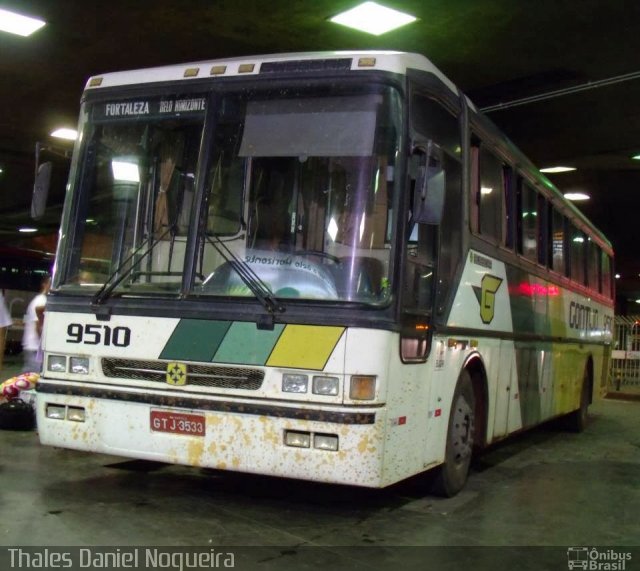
[543, 488]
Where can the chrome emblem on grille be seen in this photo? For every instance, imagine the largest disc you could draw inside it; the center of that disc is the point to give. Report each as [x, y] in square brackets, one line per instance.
[176, 374]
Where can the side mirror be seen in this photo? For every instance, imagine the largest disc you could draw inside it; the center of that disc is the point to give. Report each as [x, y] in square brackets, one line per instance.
[428, 200]
[41, 190]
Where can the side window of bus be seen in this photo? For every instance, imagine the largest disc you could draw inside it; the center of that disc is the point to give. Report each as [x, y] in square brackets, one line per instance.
[510, 204]
[435, 122]
[558, 263]
[577, 248]
[543, 232]
[419, 278]
[606, 275]
[488, 188]
[432, 121]
[418, 291]
[528, 216]
[593, 265]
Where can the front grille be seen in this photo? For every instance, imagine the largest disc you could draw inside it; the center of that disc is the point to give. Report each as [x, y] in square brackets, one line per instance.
[197, 375]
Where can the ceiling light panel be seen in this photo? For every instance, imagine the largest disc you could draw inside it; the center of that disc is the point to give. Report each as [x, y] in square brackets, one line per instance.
[373, 18]
[19, 24]
[557, 169]
[63, 133]
[576, 196]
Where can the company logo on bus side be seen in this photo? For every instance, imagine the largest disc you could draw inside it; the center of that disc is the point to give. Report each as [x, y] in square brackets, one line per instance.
[486, 295]
[585, 318]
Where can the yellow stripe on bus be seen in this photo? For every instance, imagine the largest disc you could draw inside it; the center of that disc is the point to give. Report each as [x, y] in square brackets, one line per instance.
[305, 346]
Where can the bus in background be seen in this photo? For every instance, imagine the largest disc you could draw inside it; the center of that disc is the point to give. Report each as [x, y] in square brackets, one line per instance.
[21, 273]
[325, 266]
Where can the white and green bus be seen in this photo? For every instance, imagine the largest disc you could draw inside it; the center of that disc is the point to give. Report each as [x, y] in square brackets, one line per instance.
[324, 266]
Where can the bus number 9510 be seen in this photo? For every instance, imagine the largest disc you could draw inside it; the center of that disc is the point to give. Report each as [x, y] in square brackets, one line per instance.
[92, 334]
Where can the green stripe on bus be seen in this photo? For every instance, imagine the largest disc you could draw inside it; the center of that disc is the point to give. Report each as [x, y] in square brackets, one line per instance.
[246, 344]
[536, 305]
[529, 393]
[195, 340]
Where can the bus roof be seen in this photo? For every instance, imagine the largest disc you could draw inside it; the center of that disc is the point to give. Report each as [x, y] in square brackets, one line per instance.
[395, 62]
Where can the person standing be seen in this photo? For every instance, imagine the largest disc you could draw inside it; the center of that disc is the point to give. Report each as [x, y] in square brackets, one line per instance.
[33, 323]
[5, 322]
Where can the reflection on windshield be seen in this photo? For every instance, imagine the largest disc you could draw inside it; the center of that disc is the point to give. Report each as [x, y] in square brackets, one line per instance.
[136, 186]
[298, 186]
[317, 179]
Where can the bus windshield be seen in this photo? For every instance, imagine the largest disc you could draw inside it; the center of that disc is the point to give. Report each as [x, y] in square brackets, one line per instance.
[297, 189]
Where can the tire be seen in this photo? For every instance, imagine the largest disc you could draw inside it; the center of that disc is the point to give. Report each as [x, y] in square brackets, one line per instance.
[577, 420]
[452, 475]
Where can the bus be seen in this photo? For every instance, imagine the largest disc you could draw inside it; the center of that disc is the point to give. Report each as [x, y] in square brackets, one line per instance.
[322, 266]
[22, 271]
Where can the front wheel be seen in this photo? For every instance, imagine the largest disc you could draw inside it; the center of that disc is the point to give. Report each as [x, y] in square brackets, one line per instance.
[452, 475]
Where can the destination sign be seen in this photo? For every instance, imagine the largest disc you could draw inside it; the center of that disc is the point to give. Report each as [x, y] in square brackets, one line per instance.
[177, 106]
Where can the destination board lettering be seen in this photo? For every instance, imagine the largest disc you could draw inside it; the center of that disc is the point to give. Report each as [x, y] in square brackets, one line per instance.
[127, 109]
[155, 107]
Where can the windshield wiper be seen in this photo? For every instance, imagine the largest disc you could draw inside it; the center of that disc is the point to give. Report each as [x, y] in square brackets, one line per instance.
[110, 284]
[259, 289]
[252, 280]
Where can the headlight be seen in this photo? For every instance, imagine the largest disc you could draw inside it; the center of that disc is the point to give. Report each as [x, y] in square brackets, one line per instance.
[294, 383]
[325, 441]
[76, 414]
[57, 364]
[326, 385]
[56, 411]
[79, 365]
[297, 439]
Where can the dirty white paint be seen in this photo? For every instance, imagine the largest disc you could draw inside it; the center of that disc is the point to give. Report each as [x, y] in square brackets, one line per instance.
[232, 441]
[148, 335]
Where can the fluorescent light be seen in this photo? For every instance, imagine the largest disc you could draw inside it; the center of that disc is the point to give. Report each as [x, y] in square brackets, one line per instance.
[557, 169]
[576, 196]
[579, 239]
[18, 24]
[373, 18]
[27, 230]
[636, 157]
[64, 133]
[486, 190]
[125, 171]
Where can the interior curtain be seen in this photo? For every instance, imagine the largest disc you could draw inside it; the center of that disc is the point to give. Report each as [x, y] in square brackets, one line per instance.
[161, 215]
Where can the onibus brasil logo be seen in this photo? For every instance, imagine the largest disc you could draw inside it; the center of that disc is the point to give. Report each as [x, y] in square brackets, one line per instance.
[595, 559]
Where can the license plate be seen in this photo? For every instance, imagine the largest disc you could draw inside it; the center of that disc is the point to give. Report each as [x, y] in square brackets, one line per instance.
[177, 422]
